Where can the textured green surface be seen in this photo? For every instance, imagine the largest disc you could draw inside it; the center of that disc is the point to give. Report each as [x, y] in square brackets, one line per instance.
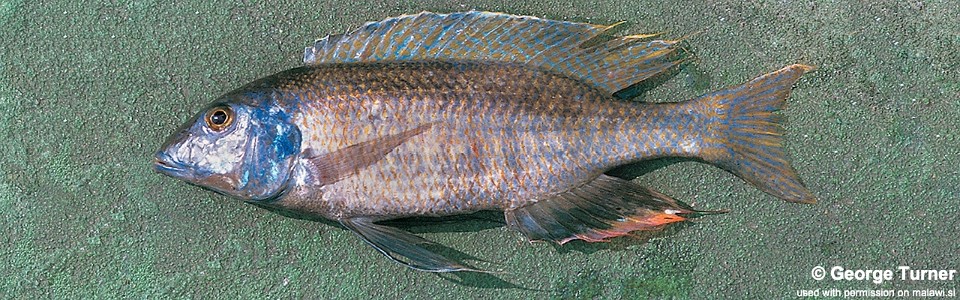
[90, 89]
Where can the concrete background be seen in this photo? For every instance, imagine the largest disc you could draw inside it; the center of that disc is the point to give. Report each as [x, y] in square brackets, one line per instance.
[89, 90]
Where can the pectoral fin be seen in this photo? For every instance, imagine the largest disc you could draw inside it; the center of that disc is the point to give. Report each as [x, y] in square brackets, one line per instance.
[329, 167]
[600, 209]
[403, 247]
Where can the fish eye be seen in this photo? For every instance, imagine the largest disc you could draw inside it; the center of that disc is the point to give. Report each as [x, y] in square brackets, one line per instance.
[219, 118]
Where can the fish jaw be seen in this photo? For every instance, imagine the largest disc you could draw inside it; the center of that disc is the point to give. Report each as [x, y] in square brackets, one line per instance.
[164, 164]
[221, 183]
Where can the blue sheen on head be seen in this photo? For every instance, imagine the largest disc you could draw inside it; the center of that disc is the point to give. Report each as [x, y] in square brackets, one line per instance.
[250, 158]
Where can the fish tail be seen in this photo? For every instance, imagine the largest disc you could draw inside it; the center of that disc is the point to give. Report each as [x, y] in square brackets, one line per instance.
[744, 136]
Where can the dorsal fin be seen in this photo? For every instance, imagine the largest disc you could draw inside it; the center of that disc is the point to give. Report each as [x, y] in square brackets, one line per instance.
[557, 46]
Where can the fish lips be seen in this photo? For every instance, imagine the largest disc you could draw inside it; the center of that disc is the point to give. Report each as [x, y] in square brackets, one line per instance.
[165, 164]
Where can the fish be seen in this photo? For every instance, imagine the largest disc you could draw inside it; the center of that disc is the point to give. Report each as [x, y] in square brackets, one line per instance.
[431, 115]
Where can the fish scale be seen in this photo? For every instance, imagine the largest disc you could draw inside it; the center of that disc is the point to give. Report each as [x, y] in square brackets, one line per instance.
[444, 114]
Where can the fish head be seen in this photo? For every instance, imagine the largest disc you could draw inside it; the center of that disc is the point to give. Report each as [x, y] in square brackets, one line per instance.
[233, 148]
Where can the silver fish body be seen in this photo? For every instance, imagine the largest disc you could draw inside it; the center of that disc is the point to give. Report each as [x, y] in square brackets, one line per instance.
[488, 136]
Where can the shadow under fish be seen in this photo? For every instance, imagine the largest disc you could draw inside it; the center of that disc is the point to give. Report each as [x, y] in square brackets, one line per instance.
[433, 115]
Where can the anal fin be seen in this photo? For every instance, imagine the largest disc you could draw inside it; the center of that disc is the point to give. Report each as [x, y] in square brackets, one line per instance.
[604, 208]
[403, 247]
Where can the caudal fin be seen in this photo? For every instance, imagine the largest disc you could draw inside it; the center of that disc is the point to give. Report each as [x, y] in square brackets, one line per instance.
[746, 136]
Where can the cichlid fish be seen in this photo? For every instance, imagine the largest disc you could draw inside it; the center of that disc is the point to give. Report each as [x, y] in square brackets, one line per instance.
[444, 114]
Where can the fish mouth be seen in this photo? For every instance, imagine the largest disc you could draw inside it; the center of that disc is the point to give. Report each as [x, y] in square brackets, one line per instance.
[164, 164]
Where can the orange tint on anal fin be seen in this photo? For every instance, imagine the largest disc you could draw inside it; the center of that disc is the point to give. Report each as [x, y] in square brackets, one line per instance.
[659, 219]
[604, 208]
[650, 220]
[746, 139]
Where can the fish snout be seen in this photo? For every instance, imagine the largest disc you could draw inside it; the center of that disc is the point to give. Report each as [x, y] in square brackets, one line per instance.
[163, 163]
